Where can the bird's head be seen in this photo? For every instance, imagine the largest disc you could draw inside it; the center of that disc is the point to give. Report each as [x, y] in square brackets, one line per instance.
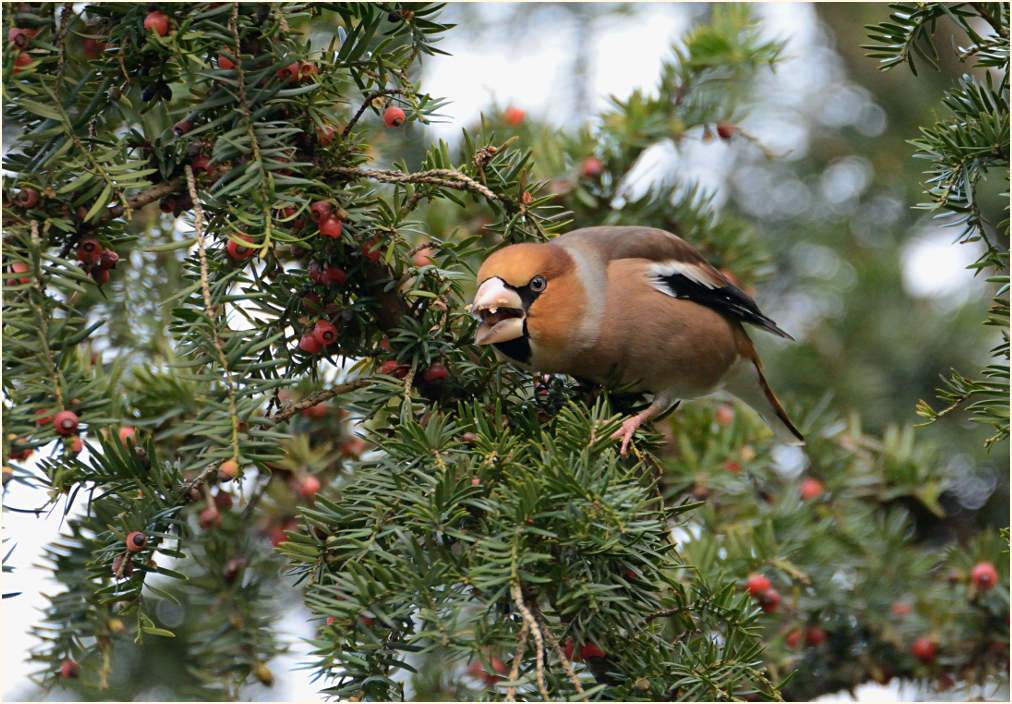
[525, 289]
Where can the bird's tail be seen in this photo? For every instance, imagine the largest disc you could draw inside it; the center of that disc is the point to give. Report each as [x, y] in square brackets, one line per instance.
[746, 381]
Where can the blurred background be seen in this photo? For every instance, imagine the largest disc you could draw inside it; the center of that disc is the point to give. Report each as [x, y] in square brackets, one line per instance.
[875, 292]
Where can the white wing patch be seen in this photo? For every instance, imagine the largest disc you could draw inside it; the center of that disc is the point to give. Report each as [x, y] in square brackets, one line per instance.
[660, 270]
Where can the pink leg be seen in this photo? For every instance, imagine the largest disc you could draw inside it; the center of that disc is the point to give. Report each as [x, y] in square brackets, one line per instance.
[629, 425]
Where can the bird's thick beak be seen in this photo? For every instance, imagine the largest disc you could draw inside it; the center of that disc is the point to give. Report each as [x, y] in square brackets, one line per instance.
[501, 312]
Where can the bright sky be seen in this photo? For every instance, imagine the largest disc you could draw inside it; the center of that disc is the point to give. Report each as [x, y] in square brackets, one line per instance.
[627, 54]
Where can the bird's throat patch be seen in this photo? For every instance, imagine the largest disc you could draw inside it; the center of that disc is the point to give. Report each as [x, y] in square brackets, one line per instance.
[518, 349]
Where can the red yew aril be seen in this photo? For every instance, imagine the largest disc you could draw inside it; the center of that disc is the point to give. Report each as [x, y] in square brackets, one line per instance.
[725, 414]
[310, 344]
[725, 130]
[77, 445]
[210, 518]
[815, 636]
[924, 649]
[393, 368]
[435, 372]
[19, 37]
[45, 419]
[423, 257]
[477, 669]
[325, 136]
[200, 164]
[66, 422]
[325, 333]
[811, 489]
[18, 268]
[514, 116]
[307, 71]
[101, 276]
[372, 250]
[769, 600]
[393, 116]
[126, 432]
[353, 447]
[320, 210]
[758, 583]
[309, 486]
[89, 251]
[225, 62]
[591, 650]
[289, 72]
[157, 22]
[593, 167]
[108, 260]
[228, 471]
[732, 466]
[70, 670]
[331, 227]
[984, 575]
[136, 541]
[315, 412]
[238, 251]
[223, 500]
[182, 127]
[23, 59]
[793, 638]
[333, 277]
[167, 204]
[902, 608]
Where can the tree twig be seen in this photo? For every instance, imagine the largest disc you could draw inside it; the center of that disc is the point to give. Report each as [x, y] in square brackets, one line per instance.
[553, 641]
[658, 614]
[288, 411]
[445, 178]
[518, 656]
[365, 106]
[539, 641]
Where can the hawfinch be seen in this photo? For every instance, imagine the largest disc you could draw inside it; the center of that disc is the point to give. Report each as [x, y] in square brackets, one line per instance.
[636, 304]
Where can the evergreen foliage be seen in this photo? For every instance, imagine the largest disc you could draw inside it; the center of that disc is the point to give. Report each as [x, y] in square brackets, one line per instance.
[489, 518]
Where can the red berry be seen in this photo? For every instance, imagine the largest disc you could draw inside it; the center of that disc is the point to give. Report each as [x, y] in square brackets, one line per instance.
[811, 488]
[89, 251]
[393, 116]
[984, 575]
[945, 682]
[333, 277]
[320, 210]
[315, 272]
[27, 197]
[136, 541]
[23, 59]
[223, 499]
[385, 344]
[325, 136]
[591, 650]
[200, 164]
[237, 251]
[902, 608]
[125, 432]
[310, 344]
[228, 471]
[311, 302]
[393, 368]
[436, 371]
[70, 670]
[307, 71]
[514, 116]
[19, 37]
[725, 130]
[46, 419]
[593, 167]
[758, 583]
[732, 466]
[167, 204]
[315, 412]
[93, 48]
[101, 276]
[769, 600]
[309, 486]
[568, 651]
[210, 518]
[77, 445]
[372, 250]
[182, 127]
[725, 414]
[815, 636]
[477, 669]
[331, 227]
[108, 260]
[475, 481]
[157, 22]
[331, 620]
[66, 422]
[325, 333]
[423, 257]
[793, 638]
[225, 62]
[470, 438]
[289, 72]
[924, 649]
[18, 268]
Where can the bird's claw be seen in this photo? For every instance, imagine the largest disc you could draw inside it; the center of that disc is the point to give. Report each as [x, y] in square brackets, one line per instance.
[626, 432]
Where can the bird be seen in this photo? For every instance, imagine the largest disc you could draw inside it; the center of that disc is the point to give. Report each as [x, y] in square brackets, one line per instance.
[637, 305]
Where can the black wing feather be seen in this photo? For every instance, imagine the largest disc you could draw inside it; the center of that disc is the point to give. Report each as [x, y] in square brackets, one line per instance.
[727, 299]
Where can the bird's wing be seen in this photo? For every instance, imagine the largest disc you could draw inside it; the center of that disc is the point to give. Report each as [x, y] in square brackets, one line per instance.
[676, 269]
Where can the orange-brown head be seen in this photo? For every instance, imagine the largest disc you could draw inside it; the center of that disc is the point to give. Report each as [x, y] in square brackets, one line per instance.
[527, 293]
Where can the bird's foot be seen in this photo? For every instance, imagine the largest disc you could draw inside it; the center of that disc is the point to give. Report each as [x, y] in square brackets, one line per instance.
[628, 429]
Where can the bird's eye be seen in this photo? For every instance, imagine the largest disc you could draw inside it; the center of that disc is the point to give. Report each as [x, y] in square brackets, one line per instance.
[538, 284]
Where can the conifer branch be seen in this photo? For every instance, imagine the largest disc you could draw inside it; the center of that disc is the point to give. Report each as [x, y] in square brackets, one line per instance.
[559, 653]
[518, 599]
[518, 657]
[288, 411]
